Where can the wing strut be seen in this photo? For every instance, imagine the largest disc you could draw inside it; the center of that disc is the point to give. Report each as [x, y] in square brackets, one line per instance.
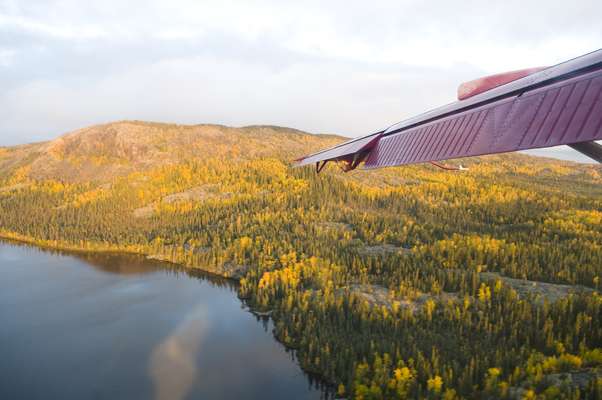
[448, 167]
[319, 167]
[591, 149]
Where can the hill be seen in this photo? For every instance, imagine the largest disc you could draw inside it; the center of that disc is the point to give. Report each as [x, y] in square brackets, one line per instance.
[103, 152]
[408, 282]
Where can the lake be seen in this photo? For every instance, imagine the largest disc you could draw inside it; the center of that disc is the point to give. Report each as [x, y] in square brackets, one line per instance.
[109, 326]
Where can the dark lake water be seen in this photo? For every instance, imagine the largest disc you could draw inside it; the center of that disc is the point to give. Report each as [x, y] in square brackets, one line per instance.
[98, 326]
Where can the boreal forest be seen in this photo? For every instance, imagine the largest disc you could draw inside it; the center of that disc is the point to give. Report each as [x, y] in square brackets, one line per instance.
[409, 282]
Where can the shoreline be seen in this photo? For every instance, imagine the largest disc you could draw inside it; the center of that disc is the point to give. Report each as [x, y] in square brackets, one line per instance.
[70, 248]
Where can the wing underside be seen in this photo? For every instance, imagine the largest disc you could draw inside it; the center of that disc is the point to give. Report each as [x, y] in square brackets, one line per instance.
[560, 105]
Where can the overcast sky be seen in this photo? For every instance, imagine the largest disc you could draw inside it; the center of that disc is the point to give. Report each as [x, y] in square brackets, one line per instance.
[340, 67]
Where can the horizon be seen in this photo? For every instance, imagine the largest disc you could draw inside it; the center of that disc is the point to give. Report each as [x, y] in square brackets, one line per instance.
[562, 153]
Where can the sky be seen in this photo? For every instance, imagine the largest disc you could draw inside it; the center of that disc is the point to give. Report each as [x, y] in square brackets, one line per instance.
[343, 67]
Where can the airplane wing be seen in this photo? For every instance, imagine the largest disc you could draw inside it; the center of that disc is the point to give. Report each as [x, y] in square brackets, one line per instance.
[519, 110]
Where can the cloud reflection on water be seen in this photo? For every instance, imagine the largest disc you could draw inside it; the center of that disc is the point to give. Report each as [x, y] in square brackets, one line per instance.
[172, 366]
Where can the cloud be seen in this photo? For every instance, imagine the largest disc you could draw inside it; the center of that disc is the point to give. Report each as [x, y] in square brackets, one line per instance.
[6, 57]
[39, 28]
[345, 67]
[307, 95]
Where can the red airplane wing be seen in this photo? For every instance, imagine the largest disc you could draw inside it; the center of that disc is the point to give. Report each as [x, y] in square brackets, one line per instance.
[542, 108]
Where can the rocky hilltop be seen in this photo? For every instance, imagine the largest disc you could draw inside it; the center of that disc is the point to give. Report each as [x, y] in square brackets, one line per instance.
[102, 152]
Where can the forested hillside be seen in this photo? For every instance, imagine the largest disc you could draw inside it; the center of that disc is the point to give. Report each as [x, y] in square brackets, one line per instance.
[408, 282]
